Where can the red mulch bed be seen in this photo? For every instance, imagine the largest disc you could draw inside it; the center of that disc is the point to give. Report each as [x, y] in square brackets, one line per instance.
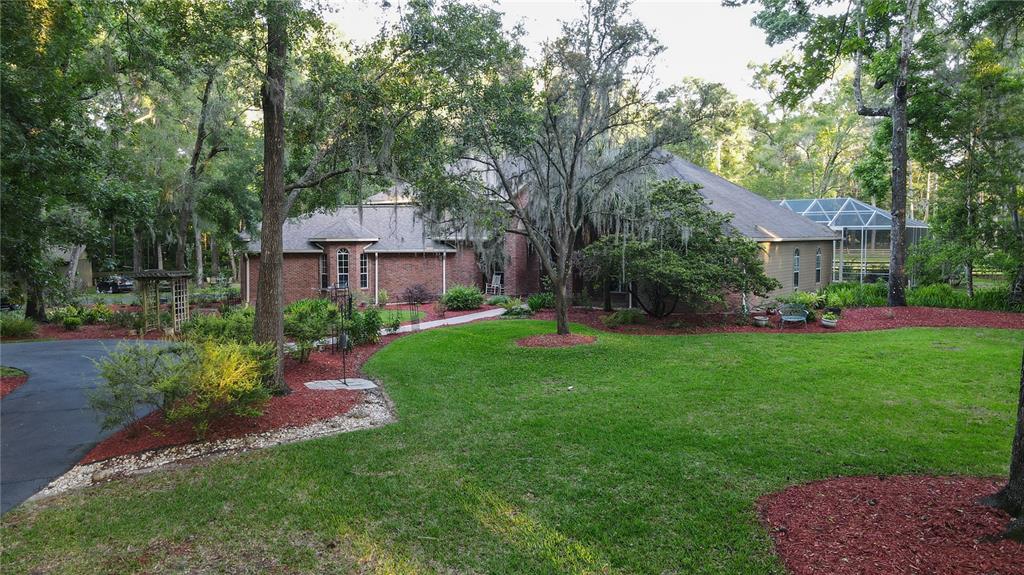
[555, 340]
[856, 319]
[301, 407]
[11, 382]
[885, 525]
[95, 331]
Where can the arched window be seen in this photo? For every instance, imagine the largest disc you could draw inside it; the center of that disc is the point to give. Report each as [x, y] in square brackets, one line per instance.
[796, 268]
[817, 266]
[342, 267]
[322, 269]
[364, 271]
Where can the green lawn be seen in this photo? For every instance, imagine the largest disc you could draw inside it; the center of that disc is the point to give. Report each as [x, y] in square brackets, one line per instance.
[10, 371]
[632, 455]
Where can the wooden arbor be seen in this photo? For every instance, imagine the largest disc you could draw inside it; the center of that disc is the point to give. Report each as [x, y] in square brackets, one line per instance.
[149, 294]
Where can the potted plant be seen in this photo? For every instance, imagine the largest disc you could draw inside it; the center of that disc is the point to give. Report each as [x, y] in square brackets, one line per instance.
[760, 320]
[829, 319]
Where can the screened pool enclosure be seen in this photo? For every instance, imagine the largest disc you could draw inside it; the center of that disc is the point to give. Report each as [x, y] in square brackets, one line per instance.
[862, 250]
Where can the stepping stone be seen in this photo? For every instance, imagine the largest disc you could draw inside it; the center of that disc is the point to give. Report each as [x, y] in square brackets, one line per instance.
[347, 383]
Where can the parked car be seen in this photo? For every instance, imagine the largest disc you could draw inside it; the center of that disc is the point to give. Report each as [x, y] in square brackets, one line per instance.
[115, 284]
[8, 305]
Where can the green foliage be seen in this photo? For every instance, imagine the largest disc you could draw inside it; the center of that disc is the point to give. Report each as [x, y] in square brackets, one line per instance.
[844, 295]
[808, 300]
[624, 317]
[14, 325]
[383, 297]
[364, 327]
[127, 319]
[72, 322]
[691, 255]
[459, 298]
[514, 308]
[234, 326]
[498, 300]
[308, 321]
[830, 316]
[539, 301]
[99, 313]
[138, 374]
[943, 295]
[226, 378]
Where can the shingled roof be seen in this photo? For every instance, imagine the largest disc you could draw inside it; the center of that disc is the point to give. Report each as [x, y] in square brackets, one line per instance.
[391, 229]
[754, 216]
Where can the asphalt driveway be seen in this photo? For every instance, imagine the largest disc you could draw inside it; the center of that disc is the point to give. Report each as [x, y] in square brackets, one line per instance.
[46, 425]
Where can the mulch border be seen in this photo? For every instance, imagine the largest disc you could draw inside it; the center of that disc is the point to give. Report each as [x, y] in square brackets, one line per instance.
[877, 525]
[9, 383]
[851, 320]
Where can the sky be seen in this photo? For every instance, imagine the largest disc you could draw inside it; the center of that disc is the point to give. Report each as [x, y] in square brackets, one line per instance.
[702, 38]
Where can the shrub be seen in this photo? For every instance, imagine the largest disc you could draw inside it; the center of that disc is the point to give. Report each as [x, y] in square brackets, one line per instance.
[99, 313]
[227, 378]
[937, 295]
[462, 298]
[417, 294]
[624, 317]
[364, 327]
[393, 324]
[382, 297]
[499, 300]
[543, 300]
[138, 374]
[514, 308]
[233, 326]
[308, 321]
[994, 299]
[127, 319]
[844, 295]
[72, 322]
[810, 300]
[16, 326]
[59, 313]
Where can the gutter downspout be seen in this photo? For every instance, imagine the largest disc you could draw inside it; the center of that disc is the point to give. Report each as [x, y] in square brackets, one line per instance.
[444, 273]
[248, 294]
[376, 278]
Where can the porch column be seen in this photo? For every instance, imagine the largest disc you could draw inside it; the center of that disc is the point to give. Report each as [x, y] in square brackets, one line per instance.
[444, 273]
[376, 277]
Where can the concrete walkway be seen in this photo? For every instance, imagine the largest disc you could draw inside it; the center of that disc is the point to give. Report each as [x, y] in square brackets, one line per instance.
[489, 313]
[46, 425]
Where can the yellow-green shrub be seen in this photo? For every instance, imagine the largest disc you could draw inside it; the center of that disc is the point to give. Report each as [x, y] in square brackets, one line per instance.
[227, 378]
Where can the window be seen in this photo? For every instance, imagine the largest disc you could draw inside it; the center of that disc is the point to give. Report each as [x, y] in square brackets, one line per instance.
[322, 269]
[342, 267]
[364, 274]
[796, 268]
[817, 267]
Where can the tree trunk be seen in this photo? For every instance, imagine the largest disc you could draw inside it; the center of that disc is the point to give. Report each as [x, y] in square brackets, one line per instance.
[898, 235]
[234, 264]
[269, 323]
[607, 296]
[1011, 497]
[35, 305]
[198, 240]
[559, 285]
[159, 255]
[72, 272]
[214, 257]
[137, 248]
[1017, 288]
[181, 234]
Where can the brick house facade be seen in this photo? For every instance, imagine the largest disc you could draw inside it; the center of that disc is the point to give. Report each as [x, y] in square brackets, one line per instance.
[386, 246]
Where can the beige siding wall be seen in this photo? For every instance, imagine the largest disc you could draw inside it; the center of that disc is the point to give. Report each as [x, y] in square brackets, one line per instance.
[778, 263]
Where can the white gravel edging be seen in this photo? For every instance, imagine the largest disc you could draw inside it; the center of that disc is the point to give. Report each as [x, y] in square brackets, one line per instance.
[374, 410]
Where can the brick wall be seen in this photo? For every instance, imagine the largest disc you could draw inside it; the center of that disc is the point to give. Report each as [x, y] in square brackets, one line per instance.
[522, 266]
[300, 277]
[778, 258]
[397, 272]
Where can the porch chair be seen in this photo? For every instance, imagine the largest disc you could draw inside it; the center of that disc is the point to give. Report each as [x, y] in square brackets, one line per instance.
[496, 287]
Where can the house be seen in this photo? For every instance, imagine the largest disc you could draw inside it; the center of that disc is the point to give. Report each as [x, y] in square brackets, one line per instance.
[386, 245]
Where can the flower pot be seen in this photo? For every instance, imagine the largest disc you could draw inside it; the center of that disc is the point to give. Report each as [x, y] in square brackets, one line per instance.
[830, 323]
[760, 321]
